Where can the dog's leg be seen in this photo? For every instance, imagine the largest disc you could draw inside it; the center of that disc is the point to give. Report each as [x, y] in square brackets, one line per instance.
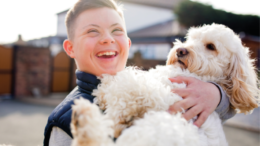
[89, 127]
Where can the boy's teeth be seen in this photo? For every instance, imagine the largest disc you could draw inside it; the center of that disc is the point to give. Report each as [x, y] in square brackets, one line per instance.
[106, 53]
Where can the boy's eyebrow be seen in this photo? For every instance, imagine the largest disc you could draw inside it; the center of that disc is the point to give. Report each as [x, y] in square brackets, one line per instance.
[99, 26]
[114, 24]
[91, 25]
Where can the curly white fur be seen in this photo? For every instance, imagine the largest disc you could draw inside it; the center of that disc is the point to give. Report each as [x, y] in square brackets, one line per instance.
[131, 93]
[160, 128]
[142, 92]
[127, 96]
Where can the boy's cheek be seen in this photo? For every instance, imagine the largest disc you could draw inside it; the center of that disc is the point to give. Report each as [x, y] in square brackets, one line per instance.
[125, 43]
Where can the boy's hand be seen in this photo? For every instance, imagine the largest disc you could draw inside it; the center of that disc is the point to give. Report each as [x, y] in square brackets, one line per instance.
[199, 98]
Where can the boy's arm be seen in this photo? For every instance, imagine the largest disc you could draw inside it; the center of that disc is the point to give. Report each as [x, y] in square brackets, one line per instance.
[59, 138]
[223, 109]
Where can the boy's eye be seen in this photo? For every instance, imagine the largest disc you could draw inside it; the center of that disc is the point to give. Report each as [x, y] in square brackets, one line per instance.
[92, 30]
[117, 29]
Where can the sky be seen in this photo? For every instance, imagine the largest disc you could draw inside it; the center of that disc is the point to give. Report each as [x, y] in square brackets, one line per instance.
[37, 18]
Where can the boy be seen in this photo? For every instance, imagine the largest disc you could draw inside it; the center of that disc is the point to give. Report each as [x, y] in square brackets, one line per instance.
[97, 40]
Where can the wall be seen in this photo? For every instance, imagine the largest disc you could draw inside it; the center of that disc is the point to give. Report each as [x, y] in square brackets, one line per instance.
[144, 64]
[140, 16]
[61, 27]
[155, 51]
[32, 71]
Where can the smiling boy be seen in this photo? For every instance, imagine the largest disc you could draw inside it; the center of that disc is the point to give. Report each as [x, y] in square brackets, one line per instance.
[98, 41]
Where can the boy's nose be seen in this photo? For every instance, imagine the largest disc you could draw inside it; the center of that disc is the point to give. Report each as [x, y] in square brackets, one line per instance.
[107, 39]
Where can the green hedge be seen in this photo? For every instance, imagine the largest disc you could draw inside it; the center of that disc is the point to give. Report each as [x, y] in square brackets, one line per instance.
[191, 13]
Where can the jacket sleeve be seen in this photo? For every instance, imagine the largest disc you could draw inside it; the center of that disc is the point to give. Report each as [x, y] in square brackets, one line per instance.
[59, 137]
[224, 109]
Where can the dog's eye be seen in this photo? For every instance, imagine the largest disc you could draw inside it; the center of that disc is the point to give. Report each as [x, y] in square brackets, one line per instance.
[211, 47]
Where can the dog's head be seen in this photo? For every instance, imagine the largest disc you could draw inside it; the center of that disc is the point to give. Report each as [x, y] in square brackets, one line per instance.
[215, 50]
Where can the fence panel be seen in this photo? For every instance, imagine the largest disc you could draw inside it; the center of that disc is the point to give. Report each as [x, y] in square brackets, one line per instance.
[61, 73]
[6, 69]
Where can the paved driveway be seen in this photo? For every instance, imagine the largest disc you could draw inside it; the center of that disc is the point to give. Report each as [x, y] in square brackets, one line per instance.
[22, 124]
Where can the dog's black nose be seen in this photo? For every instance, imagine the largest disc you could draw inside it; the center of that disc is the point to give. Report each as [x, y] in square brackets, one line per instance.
[181, 52]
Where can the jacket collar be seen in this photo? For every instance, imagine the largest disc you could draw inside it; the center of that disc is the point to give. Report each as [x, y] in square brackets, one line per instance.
[86, 81]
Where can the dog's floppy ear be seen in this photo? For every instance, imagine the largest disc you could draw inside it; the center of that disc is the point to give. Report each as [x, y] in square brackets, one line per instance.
[171, 59]
[241, 82]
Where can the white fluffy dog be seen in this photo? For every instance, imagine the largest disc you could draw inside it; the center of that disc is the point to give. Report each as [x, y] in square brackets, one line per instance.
[136, 101]
[215, 50]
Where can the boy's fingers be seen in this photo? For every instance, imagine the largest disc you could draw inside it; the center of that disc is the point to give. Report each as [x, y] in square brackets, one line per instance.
[201, 119]
[183, 92]
[194, 111]
[177, 79]
[174, 108]
[181, 79]
[181, 105]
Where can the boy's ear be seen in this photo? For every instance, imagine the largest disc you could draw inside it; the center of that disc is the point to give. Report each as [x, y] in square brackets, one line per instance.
[129, 42]
[68, 47]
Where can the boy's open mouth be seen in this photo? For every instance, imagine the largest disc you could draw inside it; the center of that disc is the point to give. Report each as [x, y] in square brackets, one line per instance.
[107, 54]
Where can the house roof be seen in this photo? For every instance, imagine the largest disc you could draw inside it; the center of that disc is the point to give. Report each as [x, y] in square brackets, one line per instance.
[65, 11]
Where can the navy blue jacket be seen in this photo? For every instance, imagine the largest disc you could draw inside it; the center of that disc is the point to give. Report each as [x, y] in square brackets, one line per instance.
[61, 115]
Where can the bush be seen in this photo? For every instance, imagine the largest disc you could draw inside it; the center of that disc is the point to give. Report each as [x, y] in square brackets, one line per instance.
[195, 14]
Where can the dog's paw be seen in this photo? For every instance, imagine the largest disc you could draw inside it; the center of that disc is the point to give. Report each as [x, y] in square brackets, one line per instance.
[88, 125]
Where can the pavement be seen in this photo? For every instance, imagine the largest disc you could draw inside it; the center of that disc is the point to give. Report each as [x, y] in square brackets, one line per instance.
[249, 122]
[23, 121]
[51, 100]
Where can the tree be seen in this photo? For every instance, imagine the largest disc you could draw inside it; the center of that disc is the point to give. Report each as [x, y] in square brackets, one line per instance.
[196, 14]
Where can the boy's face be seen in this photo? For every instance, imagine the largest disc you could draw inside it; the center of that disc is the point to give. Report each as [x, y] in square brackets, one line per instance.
[100, 44]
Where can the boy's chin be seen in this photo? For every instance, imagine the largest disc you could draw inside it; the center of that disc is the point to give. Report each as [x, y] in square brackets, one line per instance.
[111, 71]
